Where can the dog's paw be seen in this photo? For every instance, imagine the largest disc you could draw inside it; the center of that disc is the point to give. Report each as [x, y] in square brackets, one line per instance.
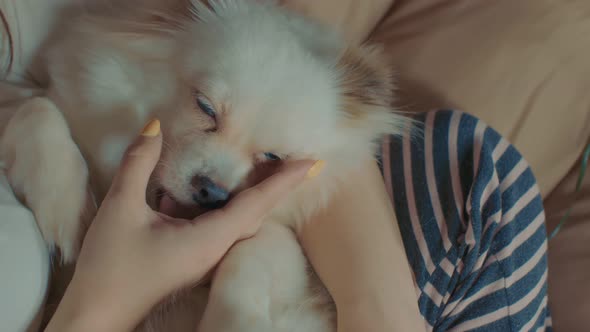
[48, 173]
[64, 214]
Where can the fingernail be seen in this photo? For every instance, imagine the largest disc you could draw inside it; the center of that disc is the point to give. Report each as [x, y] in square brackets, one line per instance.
[316, 169]
[151, 129]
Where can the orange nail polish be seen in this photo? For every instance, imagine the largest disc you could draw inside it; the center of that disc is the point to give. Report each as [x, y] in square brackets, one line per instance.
[151, 129]
[316, 169]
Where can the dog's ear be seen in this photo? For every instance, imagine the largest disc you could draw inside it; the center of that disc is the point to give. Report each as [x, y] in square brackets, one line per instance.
[171, 14]
[367, 91]
[142, 15]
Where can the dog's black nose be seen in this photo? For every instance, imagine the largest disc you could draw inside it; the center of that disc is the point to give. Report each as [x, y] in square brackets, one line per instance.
[207, 193]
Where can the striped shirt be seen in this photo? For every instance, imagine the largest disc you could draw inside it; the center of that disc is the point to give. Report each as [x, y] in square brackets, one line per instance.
[473, 225]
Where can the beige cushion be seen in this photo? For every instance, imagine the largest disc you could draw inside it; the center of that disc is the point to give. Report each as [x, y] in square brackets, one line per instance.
[569, 255]
[355, 19]
[30, 22]
[522, 66]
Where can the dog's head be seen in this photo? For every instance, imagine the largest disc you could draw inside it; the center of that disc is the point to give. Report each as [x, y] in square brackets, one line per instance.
[258, 86]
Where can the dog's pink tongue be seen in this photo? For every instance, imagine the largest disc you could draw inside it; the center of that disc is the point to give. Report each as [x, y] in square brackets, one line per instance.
[170, 207]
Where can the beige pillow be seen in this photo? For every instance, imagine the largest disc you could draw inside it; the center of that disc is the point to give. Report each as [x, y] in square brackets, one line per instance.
[522, 66]
[569, 255]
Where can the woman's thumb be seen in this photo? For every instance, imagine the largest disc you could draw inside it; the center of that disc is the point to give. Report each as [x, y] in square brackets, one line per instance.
[138, 163]
[255, 202]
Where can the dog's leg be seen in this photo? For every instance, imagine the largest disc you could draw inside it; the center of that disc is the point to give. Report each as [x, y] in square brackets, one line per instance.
[48, 173]
[257, 283]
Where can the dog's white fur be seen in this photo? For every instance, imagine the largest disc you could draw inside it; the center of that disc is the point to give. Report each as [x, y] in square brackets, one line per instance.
[279, 83]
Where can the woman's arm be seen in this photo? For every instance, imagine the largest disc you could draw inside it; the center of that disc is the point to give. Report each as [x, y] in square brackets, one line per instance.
[356, 249]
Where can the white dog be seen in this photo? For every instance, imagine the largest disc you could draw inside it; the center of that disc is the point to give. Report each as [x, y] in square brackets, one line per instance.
[239, 86]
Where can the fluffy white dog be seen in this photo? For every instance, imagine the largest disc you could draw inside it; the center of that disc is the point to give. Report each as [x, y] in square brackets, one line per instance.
[239, 87]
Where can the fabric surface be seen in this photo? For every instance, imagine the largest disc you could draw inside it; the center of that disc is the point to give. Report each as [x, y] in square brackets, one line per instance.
[30, 22]
[25, 265]
[520, 66]
[353, 18]
[471, 216]
[569, 254]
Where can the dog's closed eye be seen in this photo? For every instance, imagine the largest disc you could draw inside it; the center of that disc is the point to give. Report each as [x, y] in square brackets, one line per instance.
[271, 156]
[205, 106]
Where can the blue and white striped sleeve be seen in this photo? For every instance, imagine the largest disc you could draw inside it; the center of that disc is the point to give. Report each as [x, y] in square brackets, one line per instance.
[473, 225]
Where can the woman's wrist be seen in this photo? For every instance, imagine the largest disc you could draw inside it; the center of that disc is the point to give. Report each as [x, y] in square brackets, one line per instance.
[81, 309]
[73, 314]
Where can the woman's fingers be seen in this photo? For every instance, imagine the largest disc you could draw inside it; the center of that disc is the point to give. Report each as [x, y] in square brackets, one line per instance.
[137, 165]
[216, 231]
[255, 202]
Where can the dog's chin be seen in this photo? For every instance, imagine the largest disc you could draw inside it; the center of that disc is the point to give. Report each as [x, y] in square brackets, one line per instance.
[166, 204]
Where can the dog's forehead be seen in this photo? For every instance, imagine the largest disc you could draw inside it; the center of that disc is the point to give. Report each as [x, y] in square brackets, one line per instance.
[283, 102]
[289, 105]
[284, 119]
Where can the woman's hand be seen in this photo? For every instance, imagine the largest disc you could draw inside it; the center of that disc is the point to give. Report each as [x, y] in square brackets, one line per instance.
[133, 257]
